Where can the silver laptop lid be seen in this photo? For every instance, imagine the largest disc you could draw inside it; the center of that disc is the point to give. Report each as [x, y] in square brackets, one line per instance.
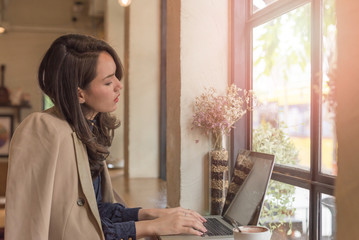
[247, 204]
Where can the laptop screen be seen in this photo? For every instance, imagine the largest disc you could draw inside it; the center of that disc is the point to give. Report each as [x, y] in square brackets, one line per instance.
[247, 204]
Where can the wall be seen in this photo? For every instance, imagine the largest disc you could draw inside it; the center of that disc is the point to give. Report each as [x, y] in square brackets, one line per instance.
[200, 61]
[32, 27]
[347, 87]
[144, 88]
[142, 128]
[22, 52]
[115, 36]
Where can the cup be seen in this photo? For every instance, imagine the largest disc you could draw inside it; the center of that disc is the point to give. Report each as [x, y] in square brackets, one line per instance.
[252, 233]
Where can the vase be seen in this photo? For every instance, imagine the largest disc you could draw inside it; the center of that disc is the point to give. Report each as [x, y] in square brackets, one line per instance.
[218, 171]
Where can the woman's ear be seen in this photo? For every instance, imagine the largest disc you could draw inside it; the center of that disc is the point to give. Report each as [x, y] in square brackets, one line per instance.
[81, 95]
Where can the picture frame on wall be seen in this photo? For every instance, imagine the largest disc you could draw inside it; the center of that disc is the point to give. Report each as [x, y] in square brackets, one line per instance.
[6, 131]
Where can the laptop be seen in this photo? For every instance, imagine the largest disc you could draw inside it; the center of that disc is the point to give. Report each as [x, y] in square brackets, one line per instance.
[246, 206]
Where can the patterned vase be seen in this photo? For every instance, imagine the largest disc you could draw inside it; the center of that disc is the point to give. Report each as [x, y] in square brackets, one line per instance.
[218, 172]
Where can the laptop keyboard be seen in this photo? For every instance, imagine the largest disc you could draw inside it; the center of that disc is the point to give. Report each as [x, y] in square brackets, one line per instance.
[216, 228]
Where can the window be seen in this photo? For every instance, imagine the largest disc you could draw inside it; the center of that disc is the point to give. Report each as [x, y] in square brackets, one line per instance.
[47, 103]
[285, 51]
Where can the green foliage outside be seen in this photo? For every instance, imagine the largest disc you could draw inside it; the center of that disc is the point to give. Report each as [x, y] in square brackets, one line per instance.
[272, 45]
[276, 54]
[278, 206]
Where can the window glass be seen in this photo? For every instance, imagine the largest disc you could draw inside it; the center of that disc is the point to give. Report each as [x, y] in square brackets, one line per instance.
[286, 211]
[329, 140]
[47, 102]
[281, 74]
[328, 211]
[282, 83]
[260, 4]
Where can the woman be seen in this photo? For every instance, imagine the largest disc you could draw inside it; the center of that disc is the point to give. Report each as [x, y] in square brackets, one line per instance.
[58, 184]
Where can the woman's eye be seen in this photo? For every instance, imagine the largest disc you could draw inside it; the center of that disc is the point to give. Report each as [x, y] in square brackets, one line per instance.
[108, 83]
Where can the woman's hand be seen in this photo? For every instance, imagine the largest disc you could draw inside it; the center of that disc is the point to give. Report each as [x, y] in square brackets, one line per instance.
[171, 221]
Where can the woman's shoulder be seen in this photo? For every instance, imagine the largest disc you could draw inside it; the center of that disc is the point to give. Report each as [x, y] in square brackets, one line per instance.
[46, 120]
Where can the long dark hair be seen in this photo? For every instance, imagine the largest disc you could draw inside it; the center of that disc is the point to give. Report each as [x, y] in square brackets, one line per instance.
[70, 63]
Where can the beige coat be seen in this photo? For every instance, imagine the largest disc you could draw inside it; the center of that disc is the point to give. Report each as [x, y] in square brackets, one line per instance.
[49, 191]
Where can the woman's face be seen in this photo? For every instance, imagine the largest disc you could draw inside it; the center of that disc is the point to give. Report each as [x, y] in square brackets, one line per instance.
[103, 92]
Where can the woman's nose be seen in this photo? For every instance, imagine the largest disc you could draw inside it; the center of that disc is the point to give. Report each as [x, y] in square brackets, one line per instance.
[119, 86]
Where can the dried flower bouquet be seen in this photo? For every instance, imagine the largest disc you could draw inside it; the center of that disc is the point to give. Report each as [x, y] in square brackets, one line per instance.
[216, 115]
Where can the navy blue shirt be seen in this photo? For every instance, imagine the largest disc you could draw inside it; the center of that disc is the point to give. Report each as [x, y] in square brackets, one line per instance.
[118, 222]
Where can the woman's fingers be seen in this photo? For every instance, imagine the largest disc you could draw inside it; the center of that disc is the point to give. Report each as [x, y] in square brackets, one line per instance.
[180, 221]
[197, 215]
[189, 222]
[194, 232]
[194, 224]
[194, 214]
